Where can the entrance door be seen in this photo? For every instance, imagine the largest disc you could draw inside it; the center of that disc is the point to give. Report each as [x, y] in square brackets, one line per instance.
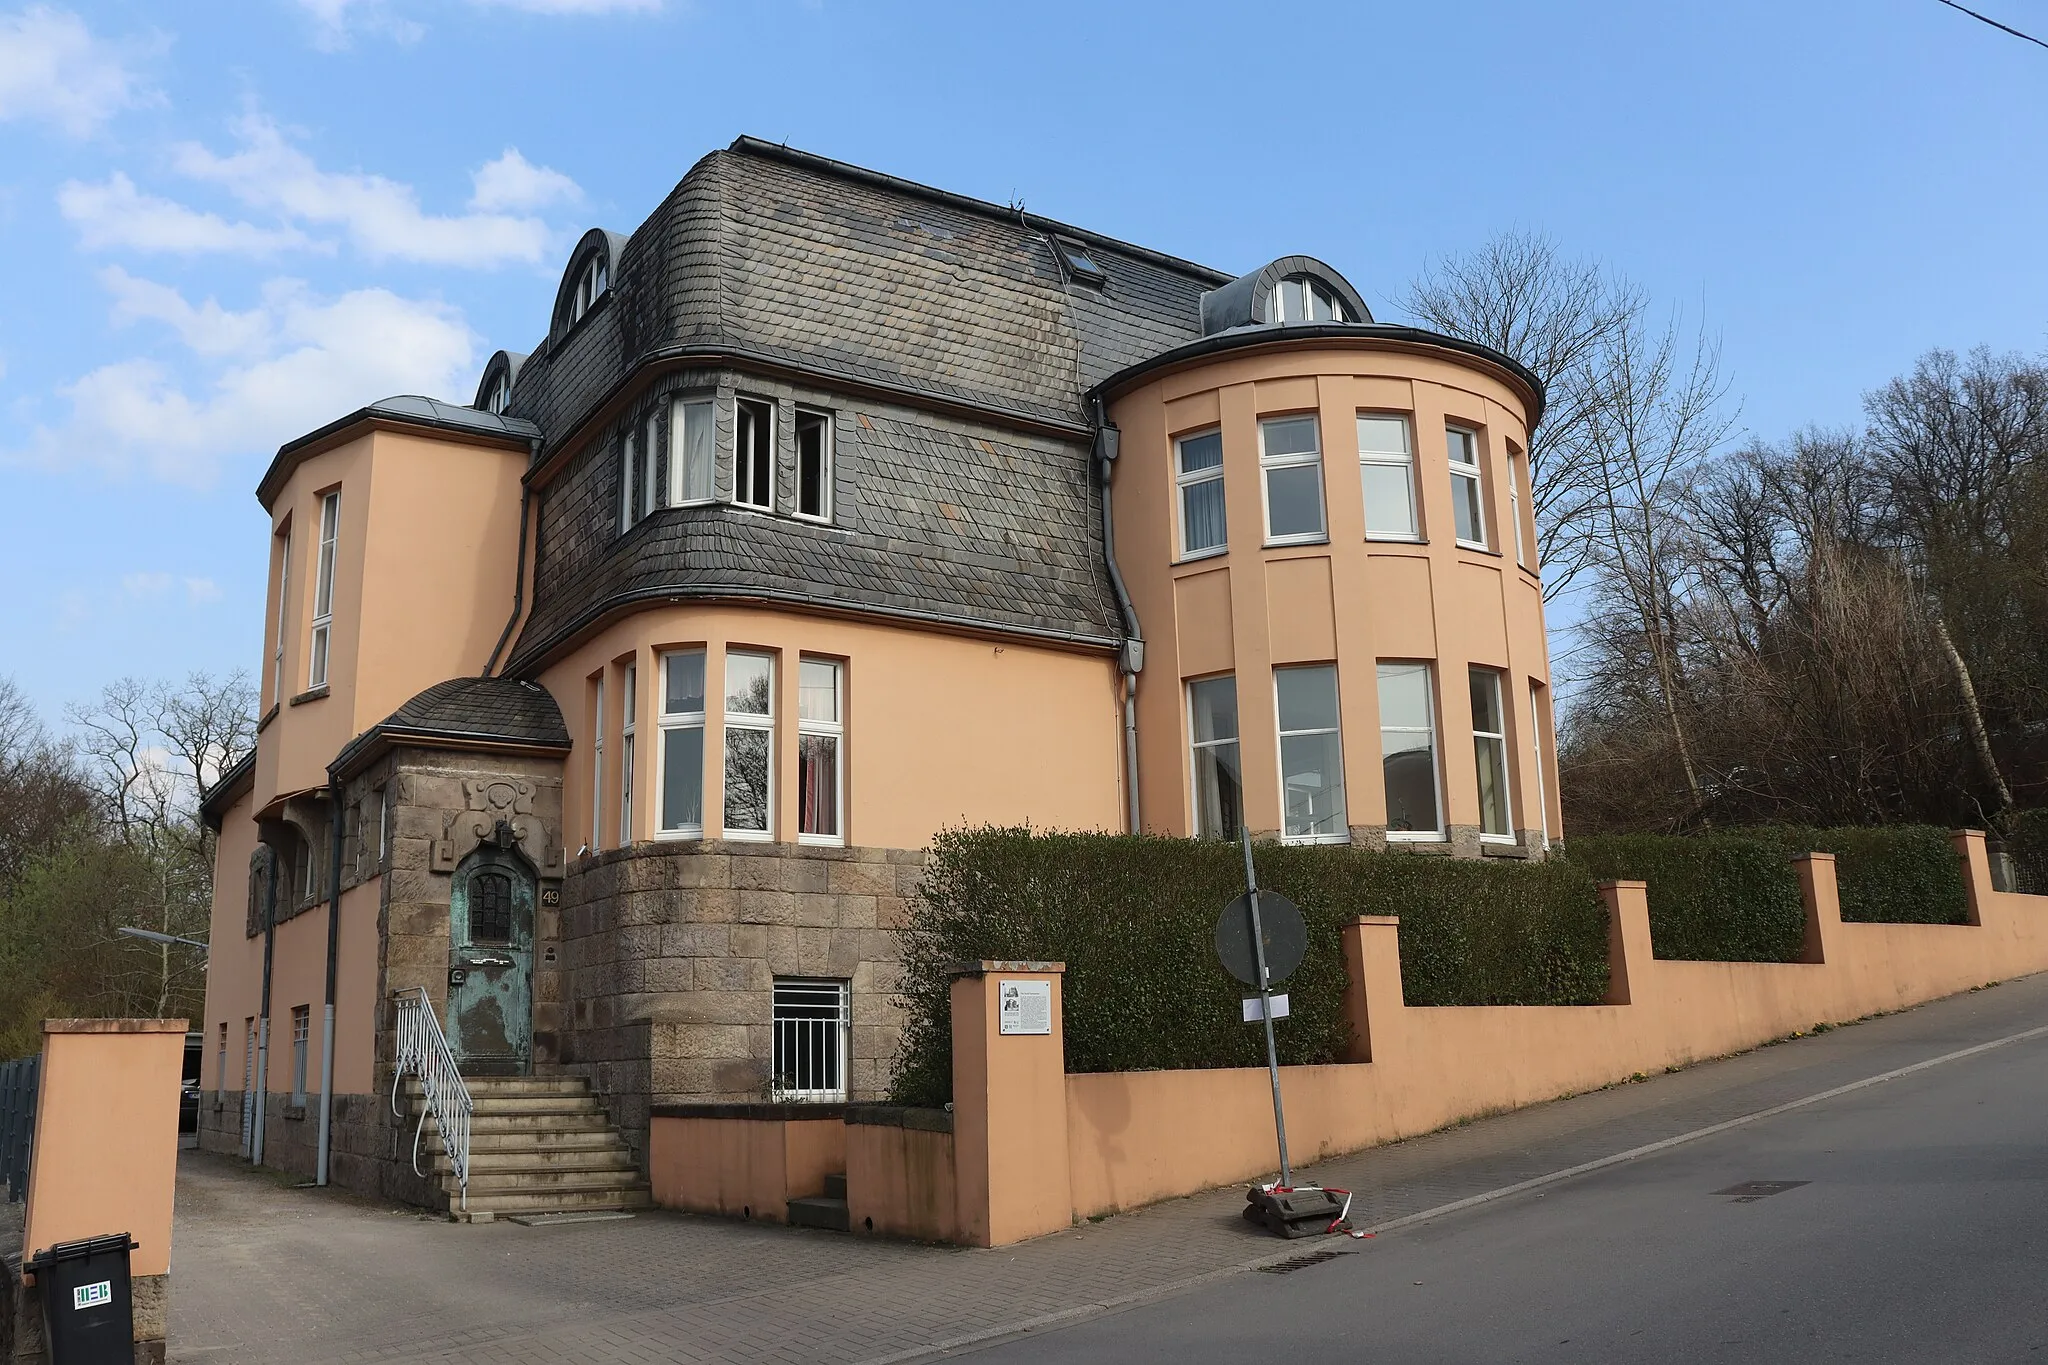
[490, 964]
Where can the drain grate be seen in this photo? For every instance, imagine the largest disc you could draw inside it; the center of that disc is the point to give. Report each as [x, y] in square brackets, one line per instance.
[1749, 1191]
[1294, 1263]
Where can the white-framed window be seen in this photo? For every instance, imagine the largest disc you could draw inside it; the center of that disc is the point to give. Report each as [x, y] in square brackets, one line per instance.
[1468, 497]
[1291, 458]
[500, 396]
[1408, 752]
[302, 1033]
[680, 761]
[1311, 756]
[637, 451]
[323, 590]
[384, 817]
[749, 745]
[1218, 775]
[820, 770]
[650, 447]
[629, 466]
[1198, 472]
[1515, 504]
[590, 287]
[284, 597]
[1536, 762]
[814, 465]
[1490, 753]
[1386, 471]
[692, 446]
[597, 764]
[1303, 298]
[753, 461]
[813, 1020]
[629, 707]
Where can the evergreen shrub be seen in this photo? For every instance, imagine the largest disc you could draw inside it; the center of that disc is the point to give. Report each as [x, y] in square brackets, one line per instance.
[1894, 874]
[1713, 897]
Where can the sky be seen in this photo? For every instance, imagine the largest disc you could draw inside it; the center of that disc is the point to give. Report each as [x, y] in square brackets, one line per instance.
[223, 225]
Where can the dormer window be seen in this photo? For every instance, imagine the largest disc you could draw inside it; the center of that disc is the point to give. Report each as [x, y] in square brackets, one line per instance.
[590, 287]
[500, 396]
[1079, 263]
[1304, 298]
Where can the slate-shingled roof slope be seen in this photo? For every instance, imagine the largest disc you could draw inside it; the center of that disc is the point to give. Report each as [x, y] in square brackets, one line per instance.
[481, 711]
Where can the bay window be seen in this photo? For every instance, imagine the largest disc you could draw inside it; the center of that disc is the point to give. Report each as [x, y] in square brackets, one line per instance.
[814, 465]
[1198, 471]
[1386, 471]
[1218, 786]
[680, 758]
[753, 464]
[1490, 753]
[749, 745]
[323, 590]
[1311, 756]
[1291, 458]
[691, 437]
[819, 774]
[1408, 752]
[284, 593]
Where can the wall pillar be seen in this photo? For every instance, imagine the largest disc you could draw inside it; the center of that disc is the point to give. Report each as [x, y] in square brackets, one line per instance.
[1629, 951]
[1009, 1109]
[1823, 898]
[1373, 1002]
[1976, 870]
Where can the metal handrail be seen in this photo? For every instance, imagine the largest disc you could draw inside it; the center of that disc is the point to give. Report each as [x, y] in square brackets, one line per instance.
[423, 1052]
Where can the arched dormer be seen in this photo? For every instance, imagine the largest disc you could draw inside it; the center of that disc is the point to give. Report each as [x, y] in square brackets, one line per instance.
[1293, 289]
[494, 390]
[588, 279]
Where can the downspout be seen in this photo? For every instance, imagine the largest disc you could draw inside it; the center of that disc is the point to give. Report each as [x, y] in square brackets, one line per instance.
[519, 568]
[1131, 660]
[333, 951]
[261, 1104]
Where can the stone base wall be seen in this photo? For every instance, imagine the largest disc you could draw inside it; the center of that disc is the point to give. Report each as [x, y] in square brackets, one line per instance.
[661, 989]
[370, 1151]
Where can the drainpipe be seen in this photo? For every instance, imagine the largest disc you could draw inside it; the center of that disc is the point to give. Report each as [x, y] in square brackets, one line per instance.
[333, 950]
[261, 1105]
[519, 569]
[1131, 660]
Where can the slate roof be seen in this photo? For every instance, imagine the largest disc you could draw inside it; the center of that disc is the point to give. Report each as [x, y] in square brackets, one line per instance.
[501, 712]
[407, 409]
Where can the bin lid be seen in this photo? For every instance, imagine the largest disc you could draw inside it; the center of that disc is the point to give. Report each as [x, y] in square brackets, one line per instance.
[80, 1250]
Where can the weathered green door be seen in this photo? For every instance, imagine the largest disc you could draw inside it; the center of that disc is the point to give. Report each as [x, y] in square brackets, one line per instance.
[490, 964]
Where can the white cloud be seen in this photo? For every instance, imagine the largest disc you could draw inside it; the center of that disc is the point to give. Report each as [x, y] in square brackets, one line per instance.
[117, 215]
[337, 21]
[306, 360]
[53, 68]
[207, 329]
[513, 182]
[382, 217]
[144, 586]
[200, 591]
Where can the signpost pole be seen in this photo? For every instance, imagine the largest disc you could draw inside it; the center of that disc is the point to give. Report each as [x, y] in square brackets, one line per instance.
[1251, 886]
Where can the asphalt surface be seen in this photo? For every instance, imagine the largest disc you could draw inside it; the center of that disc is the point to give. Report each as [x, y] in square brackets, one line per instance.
[1919, 1233]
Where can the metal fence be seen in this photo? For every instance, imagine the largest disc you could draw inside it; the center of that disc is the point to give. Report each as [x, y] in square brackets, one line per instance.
[17, 1123]
[812, 1020]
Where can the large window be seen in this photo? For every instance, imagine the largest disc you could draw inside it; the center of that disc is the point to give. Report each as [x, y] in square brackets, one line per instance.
[1311, 756]
[1536, 762]
[284, 596]
[1199, 472]
[1490, 751]
[682, 744]
[1291, 457]
[1515, 504]
[820, 730]
[753, 465]
[1468, 503]
[323, 590]
[302, 1034]
[629, 706]
[749, 745]
[691, 443]
[637, 457]
[1408, 752]
[813, 465]
[812, 1019]
[1386, 470]
[1219, 786]
[597, 763]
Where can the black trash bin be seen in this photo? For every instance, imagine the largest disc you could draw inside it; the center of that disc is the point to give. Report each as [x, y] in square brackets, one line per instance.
[88, 1316]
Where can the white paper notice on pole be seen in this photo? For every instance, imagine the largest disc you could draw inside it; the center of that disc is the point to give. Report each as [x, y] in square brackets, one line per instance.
[1025, 1006]
[1252, 1013]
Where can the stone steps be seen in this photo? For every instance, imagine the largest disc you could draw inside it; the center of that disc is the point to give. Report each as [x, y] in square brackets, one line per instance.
[537, 1145]
[827, 1210]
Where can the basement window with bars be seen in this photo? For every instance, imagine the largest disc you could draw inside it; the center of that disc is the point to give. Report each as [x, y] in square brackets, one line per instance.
[813, 1020]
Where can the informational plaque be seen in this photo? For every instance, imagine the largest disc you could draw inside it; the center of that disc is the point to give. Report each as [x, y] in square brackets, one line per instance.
[1025, 1006]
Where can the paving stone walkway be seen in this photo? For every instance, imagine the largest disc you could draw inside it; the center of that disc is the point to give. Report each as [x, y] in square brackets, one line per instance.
[263, 1272]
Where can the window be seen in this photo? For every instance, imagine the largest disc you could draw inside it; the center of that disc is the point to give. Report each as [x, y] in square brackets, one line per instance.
[384, 814]
[284, 592]
[812, 1021]
[1536, 762]
[813, 465]
[1386, 470]
[590, 287]
[490, 907]
[597, 765]
[818, 771]
[753, 464]
[323, 590]
[649, 438]
[1515, 504]
[1467, 503]
[302, 1029]
[682, 744]
[1199, 471]
[500, 396]
[1408, 752]
[690, 445]
[629, 466]
[1291, 455]
[1490, 750]
[1079, 263]
[1302, 298]
[220, 1071]
[636, 474]
[1219, 787]
[628, 708]
[1311, 756]
[749, 745]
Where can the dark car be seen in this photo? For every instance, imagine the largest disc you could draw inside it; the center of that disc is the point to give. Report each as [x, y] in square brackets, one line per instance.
[188, 1095]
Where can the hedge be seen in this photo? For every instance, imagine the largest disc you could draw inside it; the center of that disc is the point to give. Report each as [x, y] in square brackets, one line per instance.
[1133, 917]
[1713, 897]
[1896, 874]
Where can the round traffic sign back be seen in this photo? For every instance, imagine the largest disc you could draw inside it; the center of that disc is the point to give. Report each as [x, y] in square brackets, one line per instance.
[1285, 935]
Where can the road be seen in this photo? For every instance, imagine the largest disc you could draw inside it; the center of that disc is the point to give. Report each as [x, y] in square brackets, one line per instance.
[1919, 1233]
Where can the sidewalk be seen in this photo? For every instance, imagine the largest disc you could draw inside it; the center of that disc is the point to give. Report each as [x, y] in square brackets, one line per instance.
[262, 1272]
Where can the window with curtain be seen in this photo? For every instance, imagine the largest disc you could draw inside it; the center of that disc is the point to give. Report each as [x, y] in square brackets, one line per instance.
[1199, 473]
[1311, 756]
[1291, 458]
[1386, 471]
[820, 731]
[680, 758]
[749, 745]
[1490, 752]
[1218, 786]
[691, 449]
[1408, 752]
